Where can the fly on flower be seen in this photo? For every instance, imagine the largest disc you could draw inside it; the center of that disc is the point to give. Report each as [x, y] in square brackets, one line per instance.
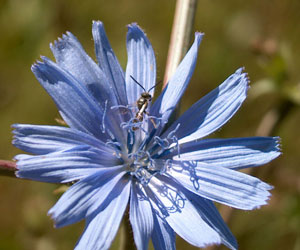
[142, 104]
[169, 176]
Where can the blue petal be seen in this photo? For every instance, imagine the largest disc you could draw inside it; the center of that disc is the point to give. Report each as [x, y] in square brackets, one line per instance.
[163, 236]
[141, 63]
[78, 108]
[85, 196]
[213, 110]
[101, 228]
[109, 63]
[236, 153]
[63, 166]
[210, 214]
[39, 139]
[167, 101]
[181, 214]
[141, 218]
[70, 55]
[223, 185]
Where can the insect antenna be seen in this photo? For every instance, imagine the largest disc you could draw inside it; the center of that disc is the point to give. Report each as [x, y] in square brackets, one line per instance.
[138, 83]
[154, 86]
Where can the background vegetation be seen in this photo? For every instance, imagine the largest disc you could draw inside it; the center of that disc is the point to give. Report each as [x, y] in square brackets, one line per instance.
[261, 35]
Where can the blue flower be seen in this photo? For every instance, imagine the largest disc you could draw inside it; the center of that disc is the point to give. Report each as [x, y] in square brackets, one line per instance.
[118, 153]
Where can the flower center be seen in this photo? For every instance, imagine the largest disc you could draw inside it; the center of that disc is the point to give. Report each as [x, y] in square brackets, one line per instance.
[145, 149]
[142, 166]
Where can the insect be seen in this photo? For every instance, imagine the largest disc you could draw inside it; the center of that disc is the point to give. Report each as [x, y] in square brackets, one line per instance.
[142, 103]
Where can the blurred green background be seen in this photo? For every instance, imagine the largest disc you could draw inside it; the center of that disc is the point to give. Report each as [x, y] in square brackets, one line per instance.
[261, 35]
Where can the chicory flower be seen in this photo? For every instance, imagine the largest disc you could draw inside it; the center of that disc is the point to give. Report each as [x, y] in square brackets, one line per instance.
[120, 154]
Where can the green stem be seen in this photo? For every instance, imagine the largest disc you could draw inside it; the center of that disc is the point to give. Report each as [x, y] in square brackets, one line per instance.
[181, 35]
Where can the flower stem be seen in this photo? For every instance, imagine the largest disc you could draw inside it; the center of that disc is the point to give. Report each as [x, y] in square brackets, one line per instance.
[181, 35]
[7, 168]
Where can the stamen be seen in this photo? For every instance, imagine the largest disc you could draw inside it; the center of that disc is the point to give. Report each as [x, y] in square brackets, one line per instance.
[127, 107]
[111, 135]
[114, 143]
[118, 106]
[143, 176]
[156, 121]
[165, 143]
[103, 118]
[132, 125]
[103, 127]
[142, 164]
[175, 139]
[167, 165]
[142, 144]
[116, 147]
[151, 165]
[137, 170]
[172, 133]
